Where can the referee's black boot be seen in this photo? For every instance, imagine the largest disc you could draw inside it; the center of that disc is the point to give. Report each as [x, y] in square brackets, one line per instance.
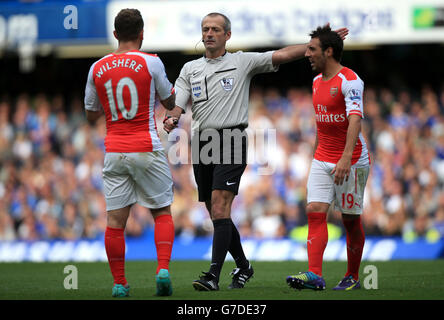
[240, 277]
[207, 282]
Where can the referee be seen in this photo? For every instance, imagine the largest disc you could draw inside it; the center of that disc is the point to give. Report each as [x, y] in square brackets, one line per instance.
[218, 85]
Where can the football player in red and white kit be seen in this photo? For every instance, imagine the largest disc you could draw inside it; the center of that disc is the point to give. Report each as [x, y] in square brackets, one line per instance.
[123, 85]
[341, 161]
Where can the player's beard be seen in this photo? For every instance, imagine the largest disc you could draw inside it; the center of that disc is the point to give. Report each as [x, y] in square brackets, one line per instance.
[319, 66]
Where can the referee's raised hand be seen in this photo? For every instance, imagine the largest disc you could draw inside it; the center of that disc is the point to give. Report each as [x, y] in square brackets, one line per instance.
[342, 32]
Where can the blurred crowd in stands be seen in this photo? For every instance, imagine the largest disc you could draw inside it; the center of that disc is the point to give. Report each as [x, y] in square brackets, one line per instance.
[51, 161]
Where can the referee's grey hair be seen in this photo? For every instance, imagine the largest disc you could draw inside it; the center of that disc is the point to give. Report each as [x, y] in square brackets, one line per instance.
[227, 22]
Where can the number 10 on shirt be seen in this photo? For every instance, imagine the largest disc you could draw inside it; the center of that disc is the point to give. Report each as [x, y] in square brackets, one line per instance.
[128, 115]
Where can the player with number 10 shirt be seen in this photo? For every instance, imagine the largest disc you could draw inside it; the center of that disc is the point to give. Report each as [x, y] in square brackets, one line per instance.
[123, 85]
[127, 84]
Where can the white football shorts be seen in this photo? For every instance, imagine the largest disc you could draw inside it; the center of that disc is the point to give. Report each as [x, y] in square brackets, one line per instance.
[143, 177]
[348, 197]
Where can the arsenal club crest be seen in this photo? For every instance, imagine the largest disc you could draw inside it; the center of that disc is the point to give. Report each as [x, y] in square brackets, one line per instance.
[333, 91]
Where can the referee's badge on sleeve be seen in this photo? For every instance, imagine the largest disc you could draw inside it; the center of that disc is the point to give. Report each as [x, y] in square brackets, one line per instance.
[227, 83]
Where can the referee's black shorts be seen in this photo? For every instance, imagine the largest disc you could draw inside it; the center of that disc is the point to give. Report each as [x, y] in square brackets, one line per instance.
[221, 160]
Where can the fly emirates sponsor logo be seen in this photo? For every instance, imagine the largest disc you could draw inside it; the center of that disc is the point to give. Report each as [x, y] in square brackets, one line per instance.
[119, 63]
[322, 115]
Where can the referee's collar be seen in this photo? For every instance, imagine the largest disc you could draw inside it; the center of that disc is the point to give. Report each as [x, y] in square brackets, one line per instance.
[215, 59]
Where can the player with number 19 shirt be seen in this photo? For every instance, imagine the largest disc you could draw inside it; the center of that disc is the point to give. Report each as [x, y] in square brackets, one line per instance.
[341, 161]
[334, 100]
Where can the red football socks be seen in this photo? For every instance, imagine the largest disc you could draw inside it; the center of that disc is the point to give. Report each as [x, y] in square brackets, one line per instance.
[163, 238]
[355, 245]
[115, 250]
[316, 241]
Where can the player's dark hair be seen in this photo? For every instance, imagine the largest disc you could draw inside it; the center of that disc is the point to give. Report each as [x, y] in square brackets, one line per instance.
[227, 22]
[329, 38]
[128, 24]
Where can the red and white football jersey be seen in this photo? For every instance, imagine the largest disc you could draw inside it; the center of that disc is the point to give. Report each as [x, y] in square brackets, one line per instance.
[334, 100]
[125, 85]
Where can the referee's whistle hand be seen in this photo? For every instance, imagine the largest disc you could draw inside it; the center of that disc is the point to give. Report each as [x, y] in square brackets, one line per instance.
[170, 124]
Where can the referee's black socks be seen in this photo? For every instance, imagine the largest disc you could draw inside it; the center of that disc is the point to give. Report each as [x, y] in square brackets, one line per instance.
[226, 238]
[221, 242]
[236, 248]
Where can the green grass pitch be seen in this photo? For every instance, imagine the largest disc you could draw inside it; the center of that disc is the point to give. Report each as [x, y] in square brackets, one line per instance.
[396, 280]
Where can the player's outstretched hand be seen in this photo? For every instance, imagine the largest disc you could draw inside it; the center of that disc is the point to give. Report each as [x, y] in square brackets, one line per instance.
[170, 123]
